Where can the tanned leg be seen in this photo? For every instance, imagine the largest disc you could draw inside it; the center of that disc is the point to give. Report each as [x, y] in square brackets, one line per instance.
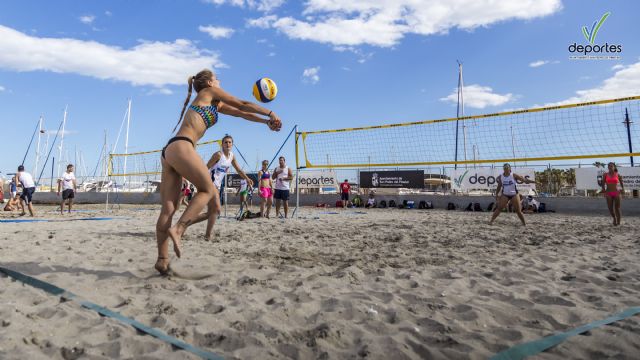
[501, 203]
[170, 198]
[185, 161]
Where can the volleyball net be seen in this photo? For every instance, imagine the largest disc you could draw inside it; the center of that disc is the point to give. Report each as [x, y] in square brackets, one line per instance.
[146, 165]
[599, 129]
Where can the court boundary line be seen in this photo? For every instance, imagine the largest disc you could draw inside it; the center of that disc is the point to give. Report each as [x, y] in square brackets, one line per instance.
[67, 295]
[535, 347]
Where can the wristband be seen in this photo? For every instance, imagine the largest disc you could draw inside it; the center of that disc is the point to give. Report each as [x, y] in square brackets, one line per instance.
[270, 112]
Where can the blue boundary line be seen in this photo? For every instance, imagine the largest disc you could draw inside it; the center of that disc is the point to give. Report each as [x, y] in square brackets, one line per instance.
[58, 220]
[54, 290]
[531, 348]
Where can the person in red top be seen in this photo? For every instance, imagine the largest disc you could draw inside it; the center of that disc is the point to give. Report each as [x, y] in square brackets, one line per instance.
[344, 193]
[613, 188]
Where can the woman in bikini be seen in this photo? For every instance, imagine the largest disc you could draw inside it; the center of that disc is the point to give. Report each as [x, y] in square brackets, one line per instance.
[179, 157]
[613, 188]
[507, 192]
[266, 189]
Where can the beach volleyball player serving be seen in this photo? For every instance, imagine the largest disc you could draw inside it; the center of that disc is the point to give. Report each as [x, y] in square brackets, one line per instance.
[180, 159]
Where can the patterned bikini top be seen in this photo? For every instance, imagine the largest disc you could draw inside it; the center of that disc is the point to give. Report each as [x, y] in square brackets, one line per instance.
[209, 114]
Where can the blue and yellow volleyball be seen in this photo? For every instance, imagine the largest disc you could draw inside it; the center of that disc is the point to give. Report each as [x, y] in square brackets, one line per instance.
[265, 90]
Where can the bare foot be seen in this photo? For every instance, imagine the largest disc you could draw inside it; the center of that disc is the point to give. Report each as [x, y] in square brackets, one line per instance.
[162, 265]
[207, 237]
[176, 237]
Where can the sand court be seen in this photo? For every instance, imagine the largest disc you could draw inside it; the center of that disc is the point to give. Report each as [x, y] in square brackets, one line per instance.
[385, 283]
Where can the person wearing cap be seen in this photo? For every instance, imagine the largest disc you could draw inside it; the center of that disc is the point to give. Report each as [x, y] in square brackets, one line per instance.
[371, 201]
[530, 205]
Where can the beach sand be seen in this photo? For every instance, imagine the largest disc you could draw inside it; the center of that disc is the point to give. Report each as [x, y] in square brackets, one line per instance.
[378, 284]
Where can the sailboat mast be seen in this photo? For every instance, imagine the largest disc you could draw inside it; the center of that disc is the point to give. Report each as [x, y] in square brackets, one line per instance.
[35, 167]
[64, 123]
[126, 139]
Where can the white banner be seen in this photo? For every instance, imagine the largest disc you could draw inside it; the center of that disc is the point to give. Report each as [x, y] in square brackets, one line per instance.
[317, 179]
[486, 179]
[591, 178]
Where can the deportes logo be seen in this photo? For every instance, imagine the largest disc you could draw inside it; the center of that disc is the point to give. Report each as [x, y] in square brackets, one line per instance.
[374, 180]
[593, 51]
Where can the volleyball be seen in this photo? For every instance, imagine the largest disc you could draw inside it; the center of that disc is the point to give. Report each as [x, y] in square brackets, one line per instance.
[265, 90]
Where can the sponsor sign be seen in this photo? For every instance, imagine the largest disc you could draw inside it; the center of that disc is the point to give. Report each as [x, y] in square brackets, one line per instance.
[317, 179]
[234, 180]
[487, 179]
[592, 178]
[592, 50]
[409, 179]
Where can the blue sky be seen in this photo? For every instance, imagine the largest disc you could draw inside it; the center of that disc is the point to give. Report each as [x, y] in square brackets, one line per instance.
[337, 63]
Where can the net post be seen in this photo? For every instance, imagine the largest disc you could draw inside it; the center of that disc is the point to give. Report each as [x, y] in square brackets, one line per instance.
[627, 122]
[295, 212]
[224, 188]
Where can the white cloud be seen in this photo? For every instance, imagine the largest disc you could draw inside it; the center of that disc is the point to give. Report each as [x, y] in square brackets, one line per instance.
[108, 13]
[625, 82]
[479, 97]
[362, 56]
[148, 63]
[617, 67]
[310, 75]
[271, 54]
[538, 63]
[264, 22]
[384, 23]
[2, 88]
[217, 32]
[87, 19]
[260, 5]
[160, 91]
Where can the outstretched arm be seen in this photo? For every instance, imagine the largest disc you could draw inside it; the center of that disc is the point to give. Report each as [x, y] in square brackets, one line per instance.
[523, 179]
[232, 111]
[245, 106]
[241, 173]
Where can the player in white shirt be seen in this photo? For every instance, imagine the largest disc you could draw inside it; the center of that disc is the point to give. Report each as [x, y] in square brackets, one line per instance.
[219, 166]
[28, 188]
[283, 176]
[507, 192]
[68, 184]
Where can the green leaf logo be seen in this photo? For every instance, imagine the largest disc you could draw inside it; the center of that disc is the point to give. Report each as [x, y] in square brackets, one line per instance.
[458, 181]
[591, 35]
